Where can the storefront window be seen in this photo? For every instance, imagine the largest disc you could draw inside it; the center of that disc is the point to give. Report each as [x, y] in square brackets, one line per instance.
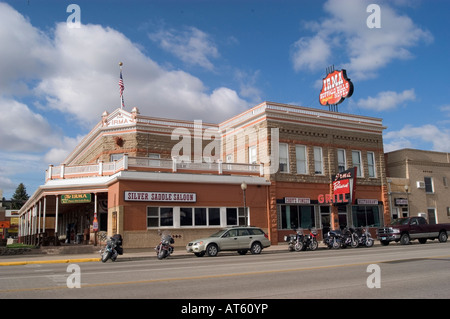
[152, 217]
[214, 216]
[186, 216]
[366, 216]
[232, 216]
[293, 217]
[166, 216]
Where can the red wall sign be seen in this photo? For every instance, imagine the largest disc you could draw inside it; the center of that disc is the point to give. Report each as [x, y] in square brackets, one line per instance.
[335, 88]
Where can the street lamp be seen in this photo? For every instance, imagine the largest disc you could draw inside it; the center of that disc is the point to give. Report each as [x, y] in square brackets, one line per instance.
[407, 198]
[244, 188]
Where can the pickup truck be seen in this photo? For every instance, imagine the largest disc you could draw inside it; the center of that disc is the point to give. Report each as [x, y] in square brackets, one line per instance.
[404, 230]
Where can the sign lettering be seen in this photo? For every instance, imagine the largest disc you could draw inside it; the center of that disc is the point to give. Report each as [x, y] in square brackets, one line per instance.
[160, 197]
[336, 87]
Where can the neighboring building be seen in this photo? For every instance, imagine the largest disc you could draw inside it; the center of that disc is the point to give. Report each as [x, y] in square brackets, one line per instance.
[270, 166]
[419, 184]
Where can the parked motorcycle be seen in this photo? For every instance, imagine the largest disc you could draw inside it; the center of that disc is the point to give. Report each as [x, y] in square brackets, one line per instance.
[295, 240]
[310, 240]
[333, 239]
[301, 242]
[112, 249]
[365, 239]
[350, 238]
[164, 248]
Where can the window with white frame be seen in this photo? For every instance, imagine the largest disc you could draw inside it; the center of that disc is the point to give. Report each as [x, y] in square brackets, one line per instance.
[356, 160]
[300, 154]
[284, 158]
[252, 155]
[342, 163]
[318, 160]
[371, 164]
[159, 216]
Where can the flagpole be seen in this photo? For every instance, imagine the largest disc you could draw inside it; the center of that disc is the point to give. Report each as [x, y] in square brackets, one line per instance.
[121, 87]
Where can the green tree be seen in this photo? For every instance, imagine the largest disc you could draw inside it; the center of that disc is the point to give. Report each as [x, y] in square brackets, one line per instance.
[20, 197]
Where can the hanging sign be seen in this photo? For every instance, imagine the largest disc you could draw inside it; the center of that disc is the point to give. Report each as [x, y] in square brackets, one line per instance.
[335, 88]
[75, 198]
[343, 185]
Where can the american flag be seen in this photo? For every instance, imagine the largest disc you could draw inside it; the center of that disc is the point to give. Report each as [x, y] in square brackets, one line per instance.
[121, 88]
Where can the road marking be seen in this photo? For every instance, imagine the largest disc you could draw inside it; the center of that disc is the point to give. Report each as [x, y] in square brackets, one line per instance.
[251, 273]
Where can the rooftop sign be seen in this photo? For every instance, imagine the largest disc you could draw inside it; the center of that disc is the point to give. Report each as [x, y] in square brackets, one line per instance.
[335, 88]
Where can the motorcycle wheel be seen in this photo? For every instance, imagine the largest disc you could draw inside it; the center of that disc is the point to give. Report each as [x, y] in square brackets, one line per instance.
[369, 242]
[313, 245]
[105, 256]
[336, 244]
[162, 254]
[298, 246]
[355, 242]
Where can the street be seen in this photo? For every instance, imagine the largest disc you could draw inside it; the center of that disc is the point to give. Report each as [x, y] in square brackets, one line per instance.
[395, 271]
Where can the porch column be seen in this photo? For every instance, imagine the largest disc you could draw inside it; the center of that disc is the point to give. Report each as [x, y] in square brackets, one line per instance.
[45, 210]
[39, 223]
[56, 219]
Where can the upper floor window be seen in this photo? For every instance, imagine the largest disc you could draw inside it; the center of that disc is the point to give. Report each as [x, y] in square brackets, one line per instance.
[300, 154]
[356, 160]
[318, 160]
[342, 164]
[428, 184]
[371, 164]
[252, 155]
[284, 158]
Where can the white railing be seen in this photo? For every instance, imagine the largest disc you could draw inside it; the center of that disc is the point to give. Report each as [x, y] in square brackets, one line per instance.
[174, 165]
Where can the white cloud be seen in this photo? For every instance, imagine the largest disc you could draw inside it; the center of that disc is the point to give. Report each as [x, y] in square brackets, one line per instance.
[387, 100]
[345, 32]
[190, 45]
[23, 130]
[75, 72]
[413, 137]
[310, 53]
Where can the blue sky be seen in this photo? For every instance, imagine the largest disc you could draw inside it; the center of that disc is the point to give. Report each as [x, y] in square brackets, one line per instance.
[210, 60]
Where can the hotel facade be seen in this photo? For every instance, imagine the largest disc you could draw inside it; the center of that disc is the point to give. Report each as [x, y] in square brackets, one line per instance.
[275, 166]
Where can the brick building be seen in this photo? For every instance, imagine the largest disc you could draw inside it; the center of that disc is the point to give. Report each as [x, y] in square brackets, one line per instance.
[419, 184]
[268, 166]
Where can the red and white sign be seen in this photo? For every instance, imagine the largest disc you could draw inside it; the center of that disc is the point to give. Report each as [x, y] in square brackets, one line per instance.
[160, 197]
[335, 88]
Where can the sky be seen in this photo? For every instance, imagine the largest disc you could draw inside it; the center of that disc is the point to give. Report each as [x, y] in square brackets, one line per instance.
[211, 60]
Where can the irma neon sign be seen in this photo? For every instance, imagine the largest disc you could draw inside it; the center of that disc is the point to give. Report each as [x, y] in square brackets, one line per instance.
[343, 189]
[335, 88]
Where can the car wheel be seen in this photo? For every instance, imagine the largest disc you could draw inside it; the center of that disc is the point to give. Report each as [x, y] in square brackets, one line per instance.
[442, 237]
[256, 248]
[212, 250]
[404, 240]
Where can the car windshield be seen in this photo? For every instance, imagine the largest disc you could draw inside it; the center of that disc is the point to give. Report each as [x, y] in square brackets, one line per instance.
[400, 221]
[219, 233]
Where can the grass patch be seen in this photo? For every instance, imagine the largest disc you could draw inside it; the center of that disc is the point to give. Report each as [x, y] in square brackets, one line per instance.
[20, 245]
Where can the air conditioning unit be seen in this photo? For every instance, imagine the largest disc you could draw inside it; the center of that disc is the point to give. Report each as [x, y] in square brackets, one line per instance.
[420, 184]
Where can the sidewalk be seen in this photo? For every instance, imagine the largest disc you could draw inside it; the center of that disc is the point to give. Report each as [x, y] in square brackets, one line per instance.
[129, 254]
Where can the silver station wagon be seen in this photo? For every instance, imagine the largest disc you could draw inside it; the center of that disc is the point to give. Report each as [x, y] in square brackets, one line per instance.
[240, 239]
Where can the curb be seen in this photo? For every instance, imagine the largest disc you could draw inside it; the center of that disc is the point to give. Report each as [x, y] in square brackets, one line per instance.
[59, 261]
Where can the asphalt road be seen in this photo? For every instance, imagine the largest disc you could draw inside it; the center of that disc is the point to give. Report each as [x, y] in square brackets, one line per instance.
[395, 271]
